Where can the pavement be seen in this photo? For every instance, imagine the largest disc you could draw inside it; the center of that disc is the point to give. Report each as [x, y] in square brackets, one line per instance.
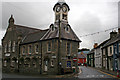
[20, 75]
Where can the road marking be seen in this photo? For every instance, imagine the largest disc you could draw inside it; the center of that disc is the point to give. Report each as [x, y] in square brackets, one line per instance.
[108, 74]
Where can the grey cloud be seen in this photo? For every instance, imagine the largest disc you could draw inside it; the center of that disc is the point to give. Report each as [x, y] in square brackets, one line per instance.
[30, 14]
[41, 15]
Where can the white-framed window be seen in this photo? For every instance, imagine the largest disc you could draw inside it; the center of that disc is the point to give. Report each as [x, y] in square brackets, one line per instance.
[36, 48]
[9, 46]
[5, 48]
[104, 51]
[13, 46]
[49, 46]
[110, 50]
[5, 63]
[23, 50]
[115, 47]
[30, 49]
[68, 48]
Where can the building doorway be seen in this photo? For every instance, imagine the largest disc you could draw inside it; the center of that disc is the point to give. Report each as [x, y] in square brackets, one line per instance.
[46, 66]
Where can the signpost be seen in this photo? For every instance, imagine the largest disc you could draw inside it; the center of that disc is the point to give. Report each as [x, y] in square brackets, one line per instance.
[75, 59]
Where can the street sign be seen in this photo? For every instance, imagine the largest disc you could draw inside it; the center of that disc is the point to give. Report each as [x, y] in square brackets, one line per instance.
[75, 59]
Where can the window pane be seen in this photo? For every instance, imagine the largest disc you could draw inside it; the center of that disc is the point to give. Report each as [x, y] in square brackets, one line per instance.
[29, 49]
[23, 50]
[9, 46]
[68, 48]
[36, 48]
[13, 49]
[49, 46]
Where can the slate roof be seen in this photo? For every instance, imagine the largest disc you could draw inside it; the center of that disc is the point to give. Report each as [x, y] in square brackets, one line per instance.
[23, 30]
[103, 43]
[64, 35]
[35, 36]
[112, 40]
[61, 2]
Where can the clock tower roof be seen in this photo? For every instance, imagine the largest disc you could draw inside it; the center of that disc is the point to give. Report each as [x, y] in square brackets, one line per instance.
[61, 3]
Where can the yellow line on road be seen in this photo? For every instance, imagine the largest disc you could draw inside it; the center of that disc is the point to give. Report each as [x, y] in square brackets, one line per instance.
[108, 74]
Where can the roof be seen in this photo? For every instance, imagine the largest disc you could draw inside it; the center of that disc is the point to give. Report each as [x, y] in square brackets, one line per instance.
[23, 30]
[103, 43]
[35, 36]
[61, 3]
[64, 35]
[83, 49]
[112, 40]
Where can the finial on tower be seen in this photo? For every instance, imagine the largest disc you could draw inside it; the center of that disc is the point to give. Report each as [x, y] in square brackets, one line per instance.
[11, 20]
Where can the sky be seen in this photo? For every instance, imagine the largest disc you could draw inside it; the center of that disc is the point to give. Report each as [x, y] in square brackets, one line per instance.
[85, 17]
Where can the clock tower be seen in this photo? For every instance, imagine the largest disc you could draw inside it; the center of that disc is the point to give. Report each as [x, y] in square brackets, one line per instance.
[61, 11]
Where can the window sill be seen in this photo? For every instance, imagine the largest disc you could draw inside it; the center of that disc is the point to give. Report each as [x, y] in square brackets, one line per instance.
[49, 52]
[36, 52]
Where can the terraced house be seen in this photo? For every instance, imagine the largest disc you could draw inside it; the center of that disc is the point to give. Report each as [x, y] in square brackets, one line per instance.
[31, 50]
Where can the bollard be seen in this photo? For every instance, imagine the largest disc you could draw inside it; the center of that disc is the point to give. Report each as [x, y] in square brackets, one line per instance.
[118, 73]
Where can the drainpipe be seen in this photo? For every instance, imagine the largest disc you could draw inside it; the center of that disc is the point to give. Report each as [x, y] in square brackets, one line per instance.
[59, 47]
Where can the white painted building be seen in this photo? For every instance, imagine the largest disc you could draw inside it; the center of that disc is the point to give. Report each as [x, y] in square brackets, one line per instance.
[98, 57]
[110, 57]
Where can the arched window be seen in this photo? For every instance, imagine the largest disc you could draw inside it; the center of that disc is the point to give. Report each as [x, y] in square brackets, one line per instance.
[36, 48]
[49, 46]
[9, 46]
[30, 49]
[13, 46]
[23, 50]
[67, 29]
[5, 49]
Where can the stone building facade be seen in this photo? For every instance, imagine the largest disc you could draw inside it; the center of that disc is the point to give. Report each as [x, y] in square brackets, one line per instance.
[50, 51]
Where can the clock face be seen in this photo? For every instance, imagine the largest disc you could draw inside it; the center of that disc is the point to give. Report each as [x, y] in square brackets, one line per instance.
[57, 8]
[64, 9]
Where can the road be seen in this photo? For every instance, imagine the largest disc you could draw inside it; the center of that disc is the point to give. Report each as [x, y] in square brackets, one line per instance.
[91, 73]
[86, 73]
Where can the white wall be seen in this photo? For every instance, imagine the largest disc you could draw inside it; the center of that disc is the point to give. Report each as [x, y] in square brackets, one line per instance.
[98, 58]
[110, 54]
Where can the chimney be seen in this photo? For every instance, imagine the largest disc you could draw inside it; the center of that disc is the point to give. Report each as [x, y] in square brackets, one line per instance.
[113, 34]
[95, 45]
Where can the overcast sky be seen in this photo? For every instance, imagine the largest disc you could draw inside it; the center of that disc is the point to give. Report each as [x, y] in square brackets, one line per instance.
[85, 16]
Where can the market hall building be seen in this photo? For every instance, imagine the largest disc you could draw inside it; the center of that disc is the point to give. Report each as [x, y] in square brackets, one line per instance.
[31, 50]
